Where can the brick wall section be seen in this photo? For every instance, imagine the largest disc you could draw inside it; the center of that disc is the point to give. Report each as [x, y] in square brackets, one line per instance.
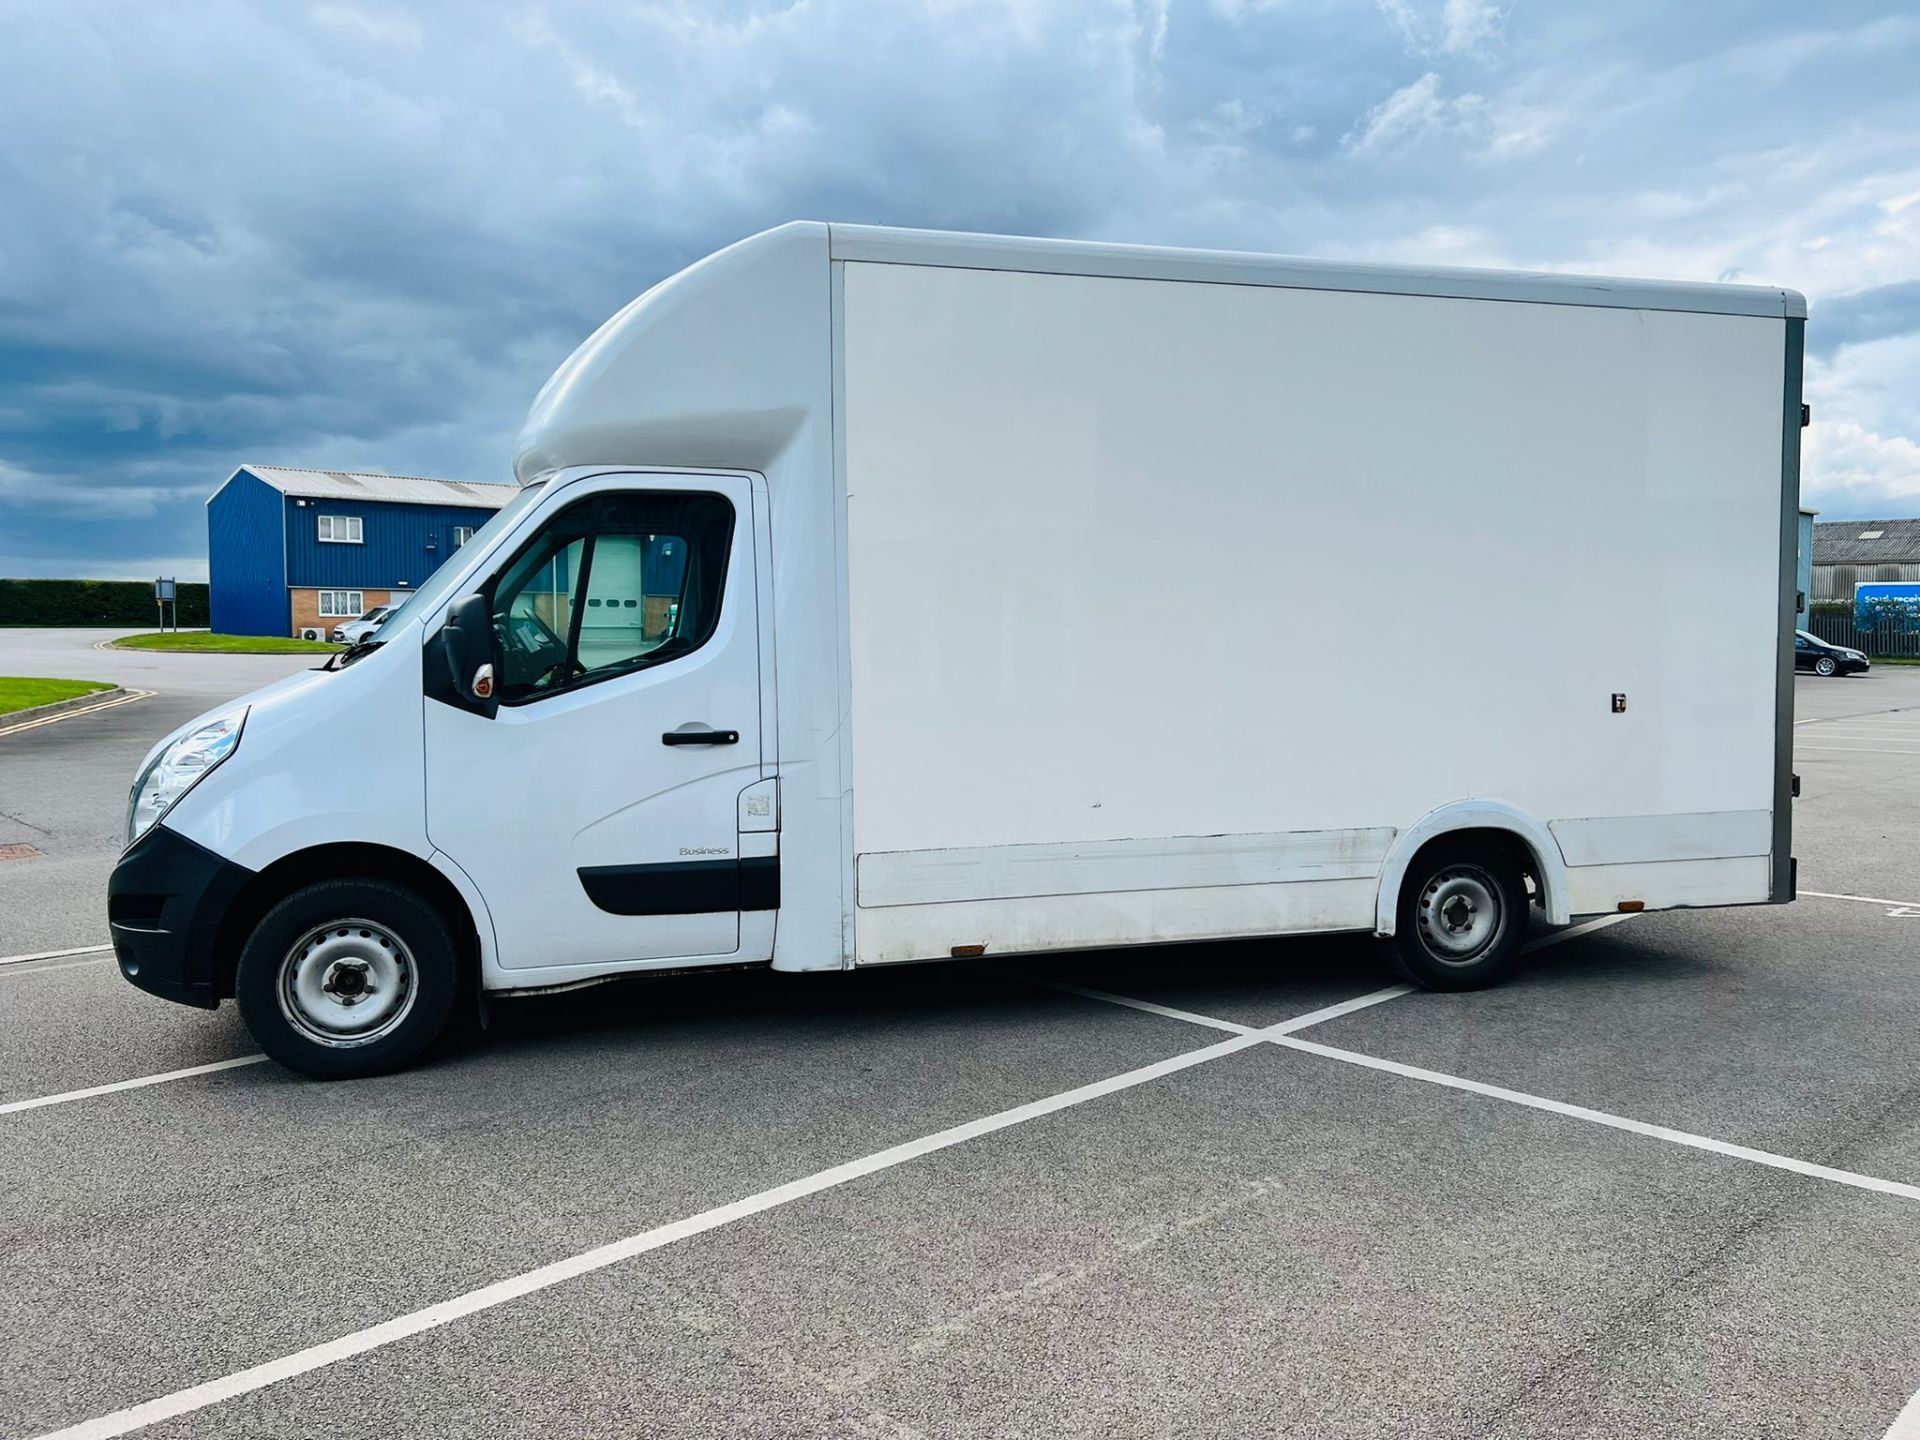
[306, 608]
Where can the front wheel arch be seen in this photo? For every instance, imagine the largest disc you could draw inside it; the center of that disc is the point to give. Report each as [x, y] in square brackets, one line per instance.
[350, 861]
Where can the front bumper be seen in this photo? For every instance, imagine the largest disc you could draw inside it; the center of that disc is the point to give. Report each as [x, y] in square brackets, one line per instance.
[165, 903]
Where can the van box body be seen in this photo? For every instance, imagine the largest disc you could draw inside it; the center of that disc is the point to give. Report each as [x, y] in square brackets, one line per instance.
[1123, 596]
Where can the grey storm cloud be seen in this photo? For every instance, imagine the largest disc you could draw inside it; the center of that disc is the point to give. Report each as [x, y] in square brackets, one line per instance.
[1881, 313]
[362, 235]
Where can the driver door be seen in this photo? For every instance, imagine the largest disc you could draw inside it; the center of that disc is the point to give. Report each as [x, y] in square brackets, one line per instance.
[597, 810]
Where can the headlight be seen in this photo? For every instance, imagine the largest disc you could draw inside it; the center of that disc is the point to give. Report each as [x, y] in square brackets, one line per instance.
[178, 768]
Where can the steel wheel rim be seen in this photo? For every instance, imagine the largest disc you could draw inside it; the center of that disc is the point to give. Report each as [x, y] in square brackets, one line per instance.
[1824, 665]
[347, 983]
[1461, 914]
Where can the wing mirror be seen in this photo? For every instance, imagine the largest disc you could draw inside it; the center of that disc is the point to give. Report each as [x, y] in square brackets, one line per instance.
[462, 674]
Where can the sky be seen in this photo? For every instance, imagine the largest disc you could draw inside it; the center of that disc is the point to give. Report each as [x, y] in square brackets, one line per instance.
[360, 236]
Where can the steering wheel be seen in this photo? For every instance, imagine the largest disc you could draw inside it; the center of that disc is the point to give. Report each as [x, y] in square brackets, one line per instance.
[532, 635]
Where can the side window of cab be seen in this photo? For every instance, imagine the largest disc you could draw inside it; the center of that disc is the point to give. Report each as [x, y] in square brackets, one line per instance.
[610, 585]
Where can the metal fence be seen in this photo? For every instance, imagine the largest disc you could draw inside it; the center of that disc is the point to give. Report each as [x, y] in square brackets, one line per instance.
[1836, 627]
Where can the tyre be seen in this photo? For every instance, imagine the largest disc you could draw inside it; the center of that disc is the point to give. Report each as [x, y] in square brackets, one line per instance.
[1824, 665]
[1462, 917]
[345, 978]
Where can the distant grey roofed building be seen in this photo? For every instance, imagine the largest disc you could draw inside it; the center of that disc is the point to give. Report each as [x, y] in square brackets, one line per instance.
[291, 551]
[407, 489]
[1847, 553]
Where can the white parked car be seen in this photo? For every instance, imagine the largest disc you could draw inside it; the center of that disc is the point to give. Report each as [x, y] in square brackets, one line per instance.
[350, 632]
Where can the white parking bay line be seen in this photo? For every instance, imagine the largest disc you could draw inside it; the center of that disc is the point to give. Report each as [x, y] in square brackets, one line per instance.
[56, 969]
[13, 1107]
[1601, 1117]
[258, 1377]
[1903, 905]
[1127, 1000]
[53, 954]
[1281, 1034]
[1585, 927]
[1906, 1425]
[1857, 749]
[1334, 1012]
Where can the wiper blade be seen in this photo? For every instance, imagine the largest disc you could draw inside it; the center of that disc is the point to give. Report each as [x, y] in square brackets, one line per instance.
[340, 659]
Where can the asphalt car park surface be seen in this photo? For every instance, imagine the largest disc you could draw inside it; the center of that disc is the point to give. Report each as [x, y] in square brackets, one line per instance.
[1666, 1183]
[63, 787]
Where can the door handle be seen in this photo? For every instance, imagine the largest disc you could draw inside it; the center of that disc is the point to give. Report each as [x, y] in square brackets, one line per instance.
[696, 734]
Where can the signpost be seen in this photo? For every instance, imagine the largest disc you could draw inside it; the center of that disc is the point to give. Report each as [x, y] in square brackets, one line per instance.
[166, 591]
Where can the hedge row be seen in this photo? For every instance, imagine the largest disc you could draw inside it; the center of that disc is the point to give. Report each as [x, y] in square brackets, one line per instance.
[94, 602]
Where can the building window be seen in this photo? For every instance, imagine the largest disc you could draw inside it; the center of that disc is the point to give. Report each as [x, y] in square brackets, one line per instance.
[342, 604]
[340, 529]
[461, 534]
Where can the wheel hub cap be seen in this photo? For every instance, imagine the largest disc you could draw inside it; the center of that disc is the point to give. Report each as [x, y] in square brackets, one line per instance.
[347, 983]
[1459, 914]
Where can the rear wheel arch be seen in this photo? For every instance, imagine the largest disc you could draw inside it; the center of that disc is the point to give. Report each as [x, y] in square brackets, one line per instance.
[345, 861]
[1493, 822]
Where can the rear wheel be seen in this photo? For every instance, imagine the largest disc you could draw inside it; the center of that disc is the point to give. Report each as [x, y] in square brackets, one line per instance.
[1462, 917]
[1824, 665]
[345, 978]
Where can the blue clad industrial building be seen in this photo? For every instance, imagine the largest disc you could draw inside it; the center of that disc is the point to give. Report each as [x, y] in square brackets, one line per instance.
[297, 550]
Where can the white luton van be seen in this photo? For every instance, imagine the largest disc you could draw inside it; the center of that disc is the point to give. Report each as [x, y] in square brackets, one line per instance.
[876, 596]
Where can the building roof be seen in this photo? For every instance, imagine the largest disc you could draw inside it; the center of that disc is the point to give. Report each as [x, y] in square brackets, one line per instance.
[1866, 542]
[405, 489]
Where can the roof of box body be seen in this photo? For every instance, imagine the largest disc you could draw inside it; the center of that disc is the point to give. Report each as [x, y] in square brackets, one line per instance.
[403, 489]
[1866, 542]
[722, 363]
[1226, 267]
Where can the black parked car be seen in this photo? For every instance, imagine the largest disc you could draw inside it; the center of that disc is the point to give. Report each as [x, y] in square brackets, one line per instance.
[1810, 652]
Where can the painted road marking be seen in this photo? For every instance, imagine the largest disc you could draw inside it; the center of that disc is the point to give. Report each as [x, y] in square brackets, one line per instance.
[1585, 927]
[1602, 1117]
[56, 969]
[1110, 998]
[401, 1327]
[1334, 1012]
[1906, 1425]
[1281, 1035]
[1855, 728]
[53, 954]
[1902, 909]
[1858, 749]
[127, 699]
[1857, 715]
[13, 1107]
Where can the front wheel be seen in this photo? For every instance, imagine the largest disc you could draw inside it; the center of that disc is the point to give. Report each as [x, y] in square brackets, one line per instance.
[346, 978]
[1462, 917]
[1824, 665]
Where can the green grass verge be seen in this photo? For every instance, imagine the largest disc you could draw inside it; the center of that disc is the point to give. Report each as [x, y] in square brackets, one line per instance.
[200, 642]
[24, 694]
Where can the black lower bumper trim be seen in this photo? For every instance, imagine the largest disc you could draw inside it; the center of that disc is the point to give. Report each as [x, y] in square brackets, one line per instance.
[165, 903]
